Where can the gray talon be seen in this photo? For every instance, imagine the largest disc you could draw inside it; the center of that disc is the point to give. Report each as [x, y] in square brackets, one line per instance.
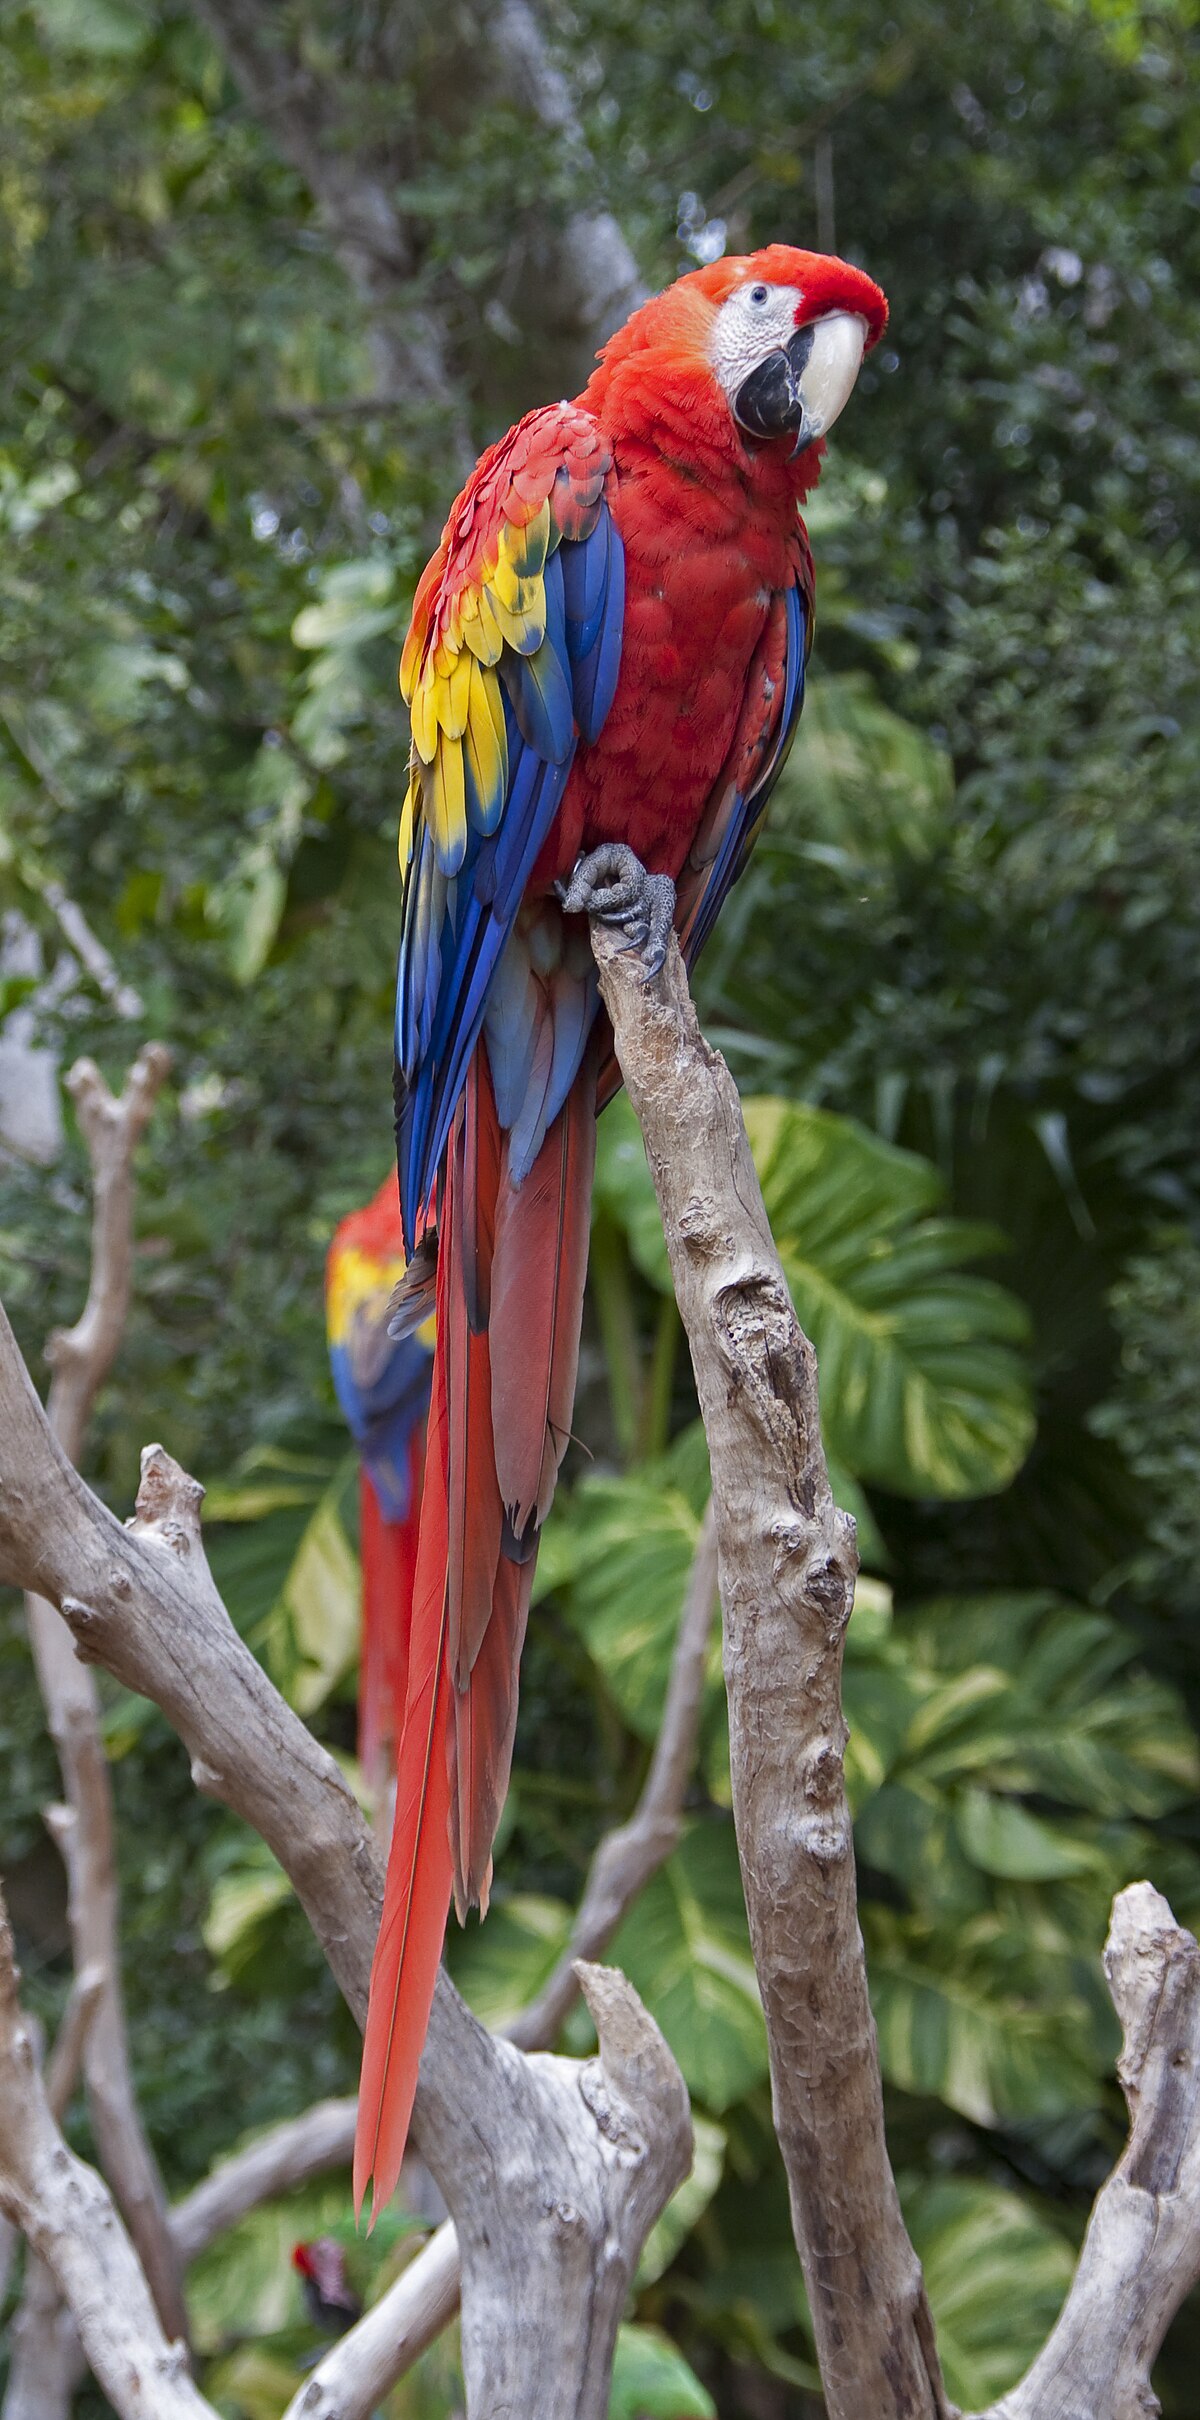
[613, 885]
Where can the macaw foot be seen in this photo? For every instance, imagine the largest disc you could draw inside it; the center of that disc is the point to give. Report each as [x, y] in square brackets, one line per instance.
[613, 884]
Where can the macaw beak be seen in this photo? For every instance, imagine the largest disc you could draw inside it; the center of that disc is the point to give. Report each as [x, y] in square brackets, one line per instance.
[799, 390]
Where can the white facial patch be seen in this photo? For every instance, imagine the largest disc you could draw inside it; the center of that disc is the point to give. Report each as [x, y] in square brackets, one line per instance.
[757, 319]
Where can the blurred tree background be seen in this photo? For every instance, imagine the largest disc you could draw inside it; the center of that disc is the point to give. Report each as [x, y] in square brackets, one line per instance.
[269, 274]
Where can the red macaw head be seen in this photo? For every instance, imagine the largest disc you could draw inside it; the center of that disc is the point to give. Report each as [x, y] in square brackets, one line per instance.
[781, 332]
[788, 333]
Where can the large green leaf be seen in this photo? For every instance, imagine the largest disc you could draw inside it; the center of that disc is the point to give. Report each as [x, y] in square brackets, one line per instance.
[924, 1389]
[282, 1553]
[957, 2025]
[500, 1966]
[995, 2274]
[320, 1608]
[924, 1386]
[688, 2204]
[1033, 1694]
[686, 1950]
[242, 1903]
[652, 2381]
[621, 1548]
[987, 1979]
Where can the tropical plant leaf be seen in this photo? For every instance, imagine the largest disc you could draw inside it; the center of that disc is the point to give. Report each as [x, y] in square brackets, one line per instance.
[254, 2381]
[958, 2024]
[686, 1950]
[620, 1549]
[924, 1385]
[995, 2274]
[1067, 1711]
[241, 1905]
[500, 1966]
[1005, 1839]
[320, 1609]
[624, 1187]
[924, 1388]
[688, 2204]
[652, 2381]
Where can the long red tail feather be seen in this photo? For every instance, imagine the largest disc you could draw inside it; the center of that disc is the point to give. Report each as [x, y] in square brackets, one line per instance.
[512, 1259]
[417, 1891]
[538, 1273]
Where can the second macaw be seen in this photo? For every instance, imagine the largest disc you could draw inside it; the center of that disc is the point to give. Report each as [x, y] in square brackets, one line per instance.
[603, 672]
[382, 1384]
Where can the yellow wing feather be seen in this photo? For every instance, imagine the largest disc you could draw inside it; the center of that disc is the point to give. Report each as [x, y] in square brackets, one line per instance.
[453, 691]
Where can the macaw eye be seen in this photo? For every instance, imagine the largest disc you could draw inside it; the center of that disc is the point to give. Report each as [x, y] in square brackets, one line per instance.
[759, 294]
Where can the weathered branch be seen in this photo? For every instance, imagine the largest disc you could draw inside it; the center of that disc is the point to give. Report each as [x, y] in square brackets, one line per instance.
[112, 1127]
[519, 2147]
[787, 1566]
[632, 2097]
[81, 1358]
[67, 2216]
[287, 2155]
[62, 2075]
[1141, 2254]
[89, 949]
[424, 2298]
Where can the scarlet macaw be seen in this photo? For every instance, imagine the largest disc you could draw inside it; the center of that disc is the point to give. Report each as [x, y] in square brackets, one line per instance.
[603, 672]
[382, 1385]
[329, 2298]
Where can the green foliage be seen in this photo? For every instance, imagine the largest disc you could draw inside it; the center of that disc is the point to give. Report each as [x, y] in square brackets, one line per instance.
[967, 944]
[995, 2274]
[1153, 1413]
[923, 1387]
[924, 1391]
[652, 2381]
[685, 1949]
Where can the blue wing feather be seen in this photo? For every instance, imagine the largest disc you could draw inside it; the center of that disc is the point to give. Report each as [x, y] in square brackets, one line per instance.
[456, 927]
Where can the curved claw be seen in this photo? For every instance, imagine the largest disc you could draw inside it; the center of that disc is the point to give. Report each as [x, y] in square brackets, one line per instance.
[612, 884]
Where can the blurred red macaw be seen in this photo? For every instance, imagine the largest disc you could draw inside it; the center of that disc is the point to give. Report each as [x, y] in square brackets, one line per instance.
[329, 2298]
[382, 1385]
[603, 671]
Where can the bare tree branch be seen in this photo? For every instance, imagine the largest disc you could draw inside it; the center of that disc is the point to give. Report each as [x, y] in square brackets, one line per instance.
[67, 2216]
[288, 2155]
[66, 2058]
[81, 1358]
[523, 2149]
[62, 2075]
[633, 2093]
[424, 2298]
[91, 952]
[787, 1565]
[1141, 2254]
[47, 2363]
